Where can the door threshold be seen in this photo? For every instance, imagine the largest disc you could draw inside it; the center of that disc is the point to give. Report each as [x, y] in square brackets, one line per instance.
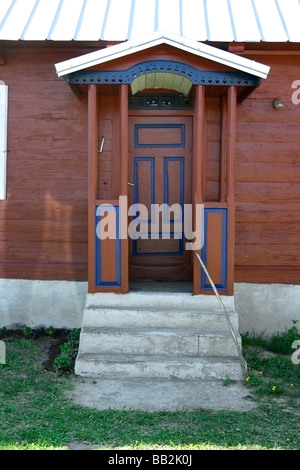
[183, 287]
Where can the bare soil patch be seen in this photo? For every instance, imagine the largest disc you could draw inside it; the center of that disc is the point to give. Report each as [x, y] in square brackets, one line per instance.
[48, 344]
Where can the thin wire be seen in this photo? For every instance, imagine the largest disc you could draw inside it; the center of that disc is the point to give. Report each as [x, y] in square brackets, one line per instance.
[243, 362]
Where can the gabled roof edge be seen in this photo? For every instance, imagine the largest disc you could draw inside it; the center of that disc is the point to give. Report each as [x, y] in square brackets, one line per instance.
[129, 47]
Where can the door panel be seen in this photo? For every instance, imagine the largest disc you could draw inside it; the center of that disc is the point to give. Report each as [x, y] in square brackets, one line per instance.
[160, 160]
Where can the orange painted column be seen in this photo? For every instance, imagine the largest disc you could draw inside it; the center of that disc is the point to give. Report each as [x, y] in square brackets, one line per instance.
[108, 227]
[231, 166]
[124, 185]
[217, 252]
[198, 170]
[92, 180]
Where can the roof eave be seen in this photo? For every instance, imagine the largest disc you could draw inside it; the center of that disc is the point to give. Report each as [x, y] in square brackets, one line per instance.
[193, 47]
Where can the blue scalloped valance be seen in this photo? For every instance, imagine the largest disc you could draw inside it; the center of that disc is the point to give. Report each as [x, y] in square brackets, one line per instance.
[197, 77]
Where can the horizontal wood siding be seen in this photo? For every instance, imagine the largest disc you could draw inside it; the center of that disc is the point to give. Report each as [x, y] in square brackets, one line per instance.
[213, 148]
[43, 223]
[268, 179]
[109, 177]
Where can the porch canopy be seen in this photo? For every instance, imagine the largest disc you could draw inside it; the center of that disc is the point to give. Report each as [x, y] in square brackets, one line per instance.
[244, 72]
[165, 61]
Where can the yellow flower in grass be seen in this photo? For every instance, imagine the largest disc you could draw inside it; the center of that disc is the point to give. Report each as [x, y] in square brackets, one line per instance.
[248, 378]
[260, 372]
[292, 385]
[273, 388]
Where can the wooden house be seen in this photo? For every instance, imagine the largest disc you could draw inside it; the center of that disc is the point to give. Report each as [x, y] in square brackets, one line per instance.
[113, 102]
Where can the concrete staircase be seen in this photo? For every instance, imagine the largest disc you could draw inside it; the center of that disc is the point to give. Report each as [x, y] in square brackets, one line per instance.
[158, 333]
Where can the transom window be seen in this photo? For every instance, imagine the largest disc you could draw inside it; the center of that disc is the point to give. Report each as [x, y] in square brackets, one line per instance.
[160, 101]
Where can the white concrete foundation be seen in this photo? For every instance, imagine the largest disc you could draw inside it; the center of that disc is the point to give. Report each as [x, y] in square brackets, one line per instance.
[267, 308]
[262, 308]
[41, 303]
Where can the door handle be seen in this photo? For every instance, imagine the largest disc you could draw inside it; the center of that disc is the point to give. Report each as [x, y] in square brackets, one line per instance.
[130, 184]
[101, 145]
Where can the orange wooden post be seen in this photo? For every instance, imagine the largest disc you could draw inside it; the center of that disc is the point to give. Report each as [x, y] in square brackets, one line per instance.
[214, 253]
[124, 183]
[92, 180]
[198, 170]
[224, 144]
[109, 251]
[231, 164]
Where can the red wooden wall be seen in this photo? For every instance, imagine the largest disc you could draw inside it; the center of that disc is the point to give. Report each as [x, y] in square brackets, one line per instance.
[109, 158]
[268, 178]
[43, 222]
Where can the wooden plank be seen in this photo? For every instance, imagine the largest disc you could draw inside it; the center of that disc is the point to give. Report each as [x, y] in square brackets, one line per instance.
[34, 171]
[262, 110]
[213, 131]
[108, 261]
[108, 253]
[267, 255]
[215, 249]
[260, 172]
[231, 184]
[109, 178]
[213, 171]
[92, 181]
[46, 210]
[267, 213]
[268, 132]
[268, 191]
[278, 152]
[212, 191]
[213, 152]
[43, 127]
[223, 150]
[48, 108]
[44, 271]
[158, 246]
[198, 171]
[270, 274]
[124, 145]
[47, 231]
[31, 190]
[52, 252]
[270, 233]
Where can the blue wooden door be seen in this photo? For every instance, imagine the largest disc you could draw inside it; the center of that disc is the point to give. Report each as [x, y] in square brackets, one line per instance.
[160, 167]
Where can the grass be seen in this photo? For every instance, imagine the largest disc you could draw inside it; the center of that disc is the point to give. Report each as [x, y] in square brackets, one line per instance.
[36, 413]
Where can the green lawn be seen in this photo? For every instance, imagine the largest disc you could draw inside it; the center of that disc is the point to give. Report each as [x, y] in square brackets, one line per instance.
[36, 413]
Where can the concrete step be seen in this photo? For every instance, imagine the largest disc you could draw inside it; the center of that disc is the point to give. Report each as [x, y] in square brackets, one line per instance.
[159, 317]
[117, 366]
[160, 299]
[152, 341]
[160, 332]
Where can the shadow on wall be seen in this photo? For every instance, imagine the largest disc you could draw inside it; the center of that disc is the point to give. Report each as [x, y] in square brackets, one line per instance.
[43, 221]
[40, 253]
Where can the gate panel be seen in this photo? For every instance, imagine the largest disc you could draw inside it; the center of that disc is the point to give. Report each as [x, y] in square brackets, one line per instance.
[108, 273]
[214, 251]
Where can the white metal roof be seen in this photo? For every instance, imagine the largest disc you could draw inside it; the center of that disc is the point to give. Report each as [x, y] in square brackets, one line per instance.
[129, 47]
[121, 20]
